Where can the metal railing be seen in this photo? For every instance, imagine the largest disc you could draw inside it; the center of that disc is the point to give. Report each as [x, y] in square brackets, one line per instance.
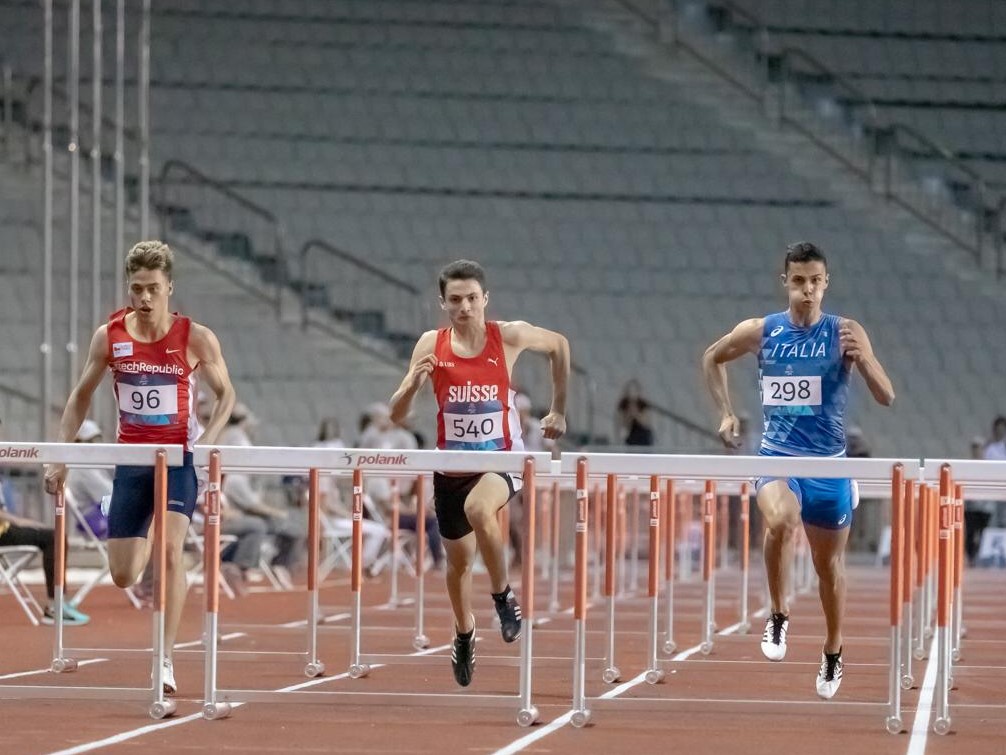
[208, 203]
[953, 199]
[371, 300]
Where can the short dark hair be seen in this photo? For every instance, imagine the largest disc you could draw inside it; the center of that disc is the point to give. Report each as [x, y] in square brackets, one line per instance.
[462, 270]
[1000, 420]
[804, 251]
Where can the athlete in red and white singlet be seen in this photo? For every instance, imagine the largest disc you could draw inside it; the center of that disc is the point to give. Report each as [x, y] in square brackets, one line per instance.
[475, 402]
[154, 384]
[153, 356]
[470, 364]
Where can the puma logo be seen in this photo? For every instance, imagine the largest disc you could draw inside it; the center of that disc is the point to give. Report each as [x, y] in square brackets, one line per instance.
[493, 360]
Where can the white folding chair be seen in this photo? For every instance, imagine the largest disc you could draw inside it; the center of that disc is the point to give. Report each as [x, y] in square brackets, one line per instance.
[14, 558]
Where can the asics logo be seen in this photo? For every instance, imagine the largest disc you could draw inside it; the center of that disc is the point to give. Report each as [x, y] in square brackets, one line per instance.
[844, 517]
[776, 331]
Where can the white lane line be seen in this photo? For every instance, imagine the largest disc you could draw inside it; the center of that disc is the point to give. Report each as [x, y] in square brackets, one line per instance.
[920, 729]
[90, 661]
[325, 620]
[47, 670]
[127, 735]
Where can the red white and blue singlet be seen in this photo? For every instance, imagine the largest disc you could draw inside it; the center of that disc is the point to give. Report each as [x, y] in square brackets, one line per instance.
[154, 384]
[475, 402]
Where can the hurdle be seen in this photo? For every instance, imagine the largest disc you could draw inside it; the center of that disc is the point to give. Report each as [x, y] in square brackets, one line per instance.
[718, 468]
[219, 702]
[981, 478]
[64, 659]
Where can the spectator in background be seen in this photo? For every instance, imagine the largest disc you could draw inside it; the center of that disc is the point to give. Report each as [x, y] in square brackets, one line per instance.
[995, 450]
[90, 488]
[633, 426]
[16, 530]
[977, 514]
[245, 504]
[339, 517]
[534, 438]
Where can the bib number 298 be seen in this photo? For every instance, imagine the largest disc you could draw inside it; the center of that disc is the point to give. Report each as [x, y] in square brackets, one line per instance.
[796, 390]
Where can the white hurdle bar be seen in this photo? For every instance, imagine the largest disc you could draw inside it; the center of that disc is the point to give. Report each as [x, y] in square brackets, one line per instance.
[313, 460]
[101, 455]
[720, 468]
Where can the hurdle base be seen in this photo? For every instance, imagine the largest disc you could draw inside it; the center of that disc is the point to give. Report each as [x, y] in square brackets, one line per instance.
[611, 675]
[654, 676]
[216, 711]
[420, 642]
[580, 718]
[893, 725]
[64, 665]
[942, 726]
[314, 669]
[359, 670]
[527, 717]
[162, 709]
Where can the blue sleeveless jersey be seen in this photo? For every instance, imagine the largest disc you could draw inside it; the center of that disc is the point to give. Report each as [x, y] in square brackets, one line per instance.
[803, 381]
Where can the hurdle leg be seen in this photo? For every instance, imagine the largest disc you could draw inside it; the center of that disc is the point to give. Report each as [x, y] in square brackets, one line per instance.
[941, 725]
[908, 576]
[553, 600]
[419, 640]
[581, 715]
[212, 708]
[528, 713]
[654, 673]
[745, 548]
[395, 514]
[314, 667]
[708, 566]
[357, 669]
[670, 540]
[596, 541]
[60, 664]
[957, 617]
[611, 673]
[161, 707]
[893, 720]
[633, 521]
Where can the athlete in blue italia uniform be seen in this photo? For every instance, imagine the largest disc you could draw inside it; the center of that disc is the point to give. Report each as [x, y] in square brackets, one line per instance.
[805, 360]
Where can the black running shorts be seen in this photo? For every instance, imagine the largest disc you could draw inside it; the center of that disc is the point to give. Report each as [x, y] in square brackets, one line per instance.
[450, 493]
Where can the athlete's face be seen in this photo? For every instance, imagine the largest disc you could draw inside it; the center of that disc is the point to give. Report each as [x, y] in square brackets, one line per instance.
[464, 301]
[148, 294]
[805, 284]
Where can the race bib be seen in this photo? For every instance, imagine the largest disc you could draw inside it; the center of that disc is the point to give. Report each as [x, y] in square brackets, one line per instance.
[148, 400]
[473, 428]
[795, 390]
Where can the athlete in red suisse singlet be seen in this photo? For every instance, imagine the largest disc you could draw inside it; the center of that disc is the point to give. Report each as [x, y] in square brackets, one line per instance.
[469, 366]
[474, 398]
[154, 384]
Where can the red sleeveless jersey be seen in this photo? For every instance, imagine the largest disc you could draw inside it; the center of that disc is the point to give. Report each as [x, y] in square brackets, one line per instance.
[475, 403]
[153, 383]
